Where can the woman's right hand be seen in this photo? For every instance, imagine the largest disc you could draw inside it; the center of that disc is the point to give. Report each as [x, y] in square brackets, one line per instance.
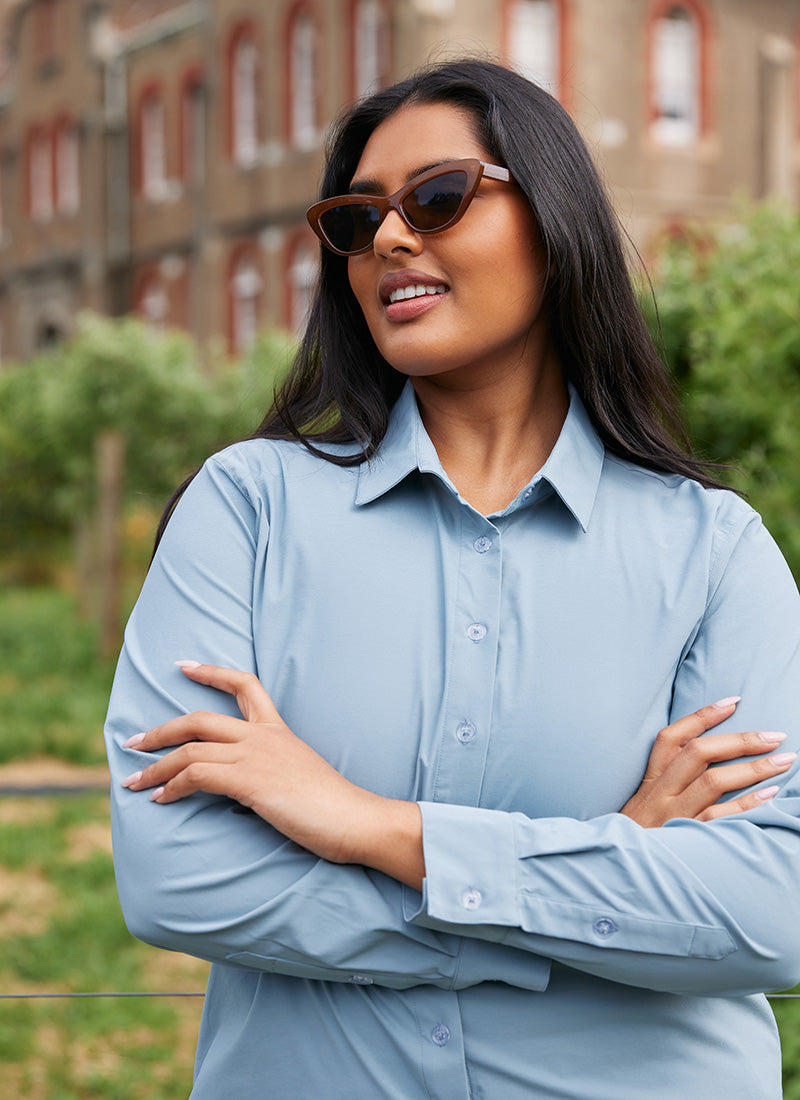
[679, 781]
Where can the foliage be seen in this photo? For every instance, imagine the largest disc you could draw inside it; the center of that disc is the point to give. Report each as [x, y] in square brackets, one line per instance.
[53, 690]
[729, 313]
[120, 375]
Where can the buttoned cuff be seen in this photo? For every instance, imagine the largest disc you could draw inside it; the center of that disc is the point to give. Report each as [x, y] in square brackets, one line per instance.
[481, 881]
[473, 881]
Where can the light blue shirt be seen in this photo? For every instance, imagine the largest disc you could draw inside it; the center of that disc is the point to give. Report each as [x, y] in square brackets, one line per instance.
[509, 673]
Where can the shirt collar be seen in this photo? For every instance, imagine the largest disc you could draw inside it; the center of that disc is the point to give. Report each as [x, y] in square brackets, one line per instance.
[572, 469]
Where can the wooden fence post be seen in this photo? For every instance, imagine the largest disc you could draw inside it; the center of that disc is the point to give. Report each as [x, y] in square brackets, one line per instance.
[110, 459]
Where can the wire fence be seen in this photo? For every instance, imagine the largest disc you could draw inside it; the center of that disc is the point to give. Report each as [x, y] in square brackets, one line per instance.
[54, 996]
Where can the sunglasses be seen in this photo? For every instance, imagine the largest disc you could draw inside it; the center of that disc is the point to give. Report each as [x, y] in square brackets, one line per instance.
[428, 203]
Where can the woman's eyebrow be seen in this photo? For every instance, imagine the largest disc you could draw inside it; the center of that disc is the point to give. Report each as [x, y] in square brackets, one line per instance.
[372, 187]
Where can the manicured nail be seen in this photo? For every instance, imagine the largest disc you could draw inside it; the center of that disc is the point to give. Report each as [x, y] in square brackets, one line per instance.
[131, 779]
[772, 738]
[767, 793]
[783, 758]
[132, 742]
[156, 794]
[188, 664]
[723, 704]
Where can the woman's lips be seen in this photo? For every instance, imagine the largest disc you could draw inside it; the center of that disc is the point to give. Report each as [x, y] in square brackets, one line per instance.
[424, 292]
[409, 308]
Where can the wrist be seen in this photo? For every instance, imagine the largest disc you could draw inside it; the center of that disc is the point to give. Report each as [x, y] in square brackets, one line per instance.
[389, 839]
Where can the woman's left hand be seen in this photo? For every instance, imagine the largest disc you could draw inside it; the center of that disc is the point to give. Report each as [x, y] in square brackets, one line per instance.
[257, 761]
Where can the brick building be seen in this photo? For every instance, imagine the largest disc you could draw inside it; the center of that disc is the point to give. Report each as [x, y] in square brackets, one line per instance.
[158, 155]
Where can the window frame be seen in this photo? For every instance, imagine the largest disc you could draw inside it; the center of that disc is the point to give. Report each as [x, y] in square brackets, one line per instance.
[562, 12]
[245, 252]
[676, 136]
[302, 110]
[151, 185]
[243, 153]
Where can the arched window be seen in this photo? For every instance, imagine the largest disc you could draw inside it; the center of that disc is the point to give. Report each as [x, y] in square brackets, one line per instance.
[302, 80]
[67, 164]
[40, 174]
[370, 31]
[152, 145]
[244, 295]
[534, 41]
[193, 128]
[676, 71]
[243, 90]
[303, 269]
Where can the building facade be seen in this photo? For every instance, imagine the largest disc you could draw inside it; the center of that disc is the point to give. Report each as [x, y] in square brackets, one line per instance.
[158, 156]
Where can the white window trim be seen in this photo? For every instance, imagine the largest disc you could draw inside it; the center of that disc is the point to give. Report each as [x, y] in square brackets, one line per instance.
[676, 78]
[304, 82]
[534, 36]
[244, 90]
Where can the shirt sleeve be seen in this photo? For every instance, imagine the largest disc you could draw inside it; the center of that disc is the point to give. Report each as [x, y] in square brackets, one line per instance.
[689, 908]
[203, 875]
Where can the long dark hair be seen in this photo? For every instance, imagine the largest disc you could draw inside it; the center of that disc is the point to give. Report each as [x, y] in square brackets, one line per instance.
[341, 389]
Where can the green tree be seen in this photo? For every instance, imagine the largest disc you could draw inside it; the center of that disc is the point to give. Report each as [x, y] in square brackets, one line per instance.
[729, 308]
[121, 376]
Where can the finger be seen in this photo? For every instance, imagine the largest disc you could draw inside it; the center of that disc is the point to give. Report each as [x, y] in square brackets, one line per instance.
[251, 698]
[706, 791]
[181, 759]
[672, 738]
[694, 759]
[739, 805]
[213, 778]
[200, 725]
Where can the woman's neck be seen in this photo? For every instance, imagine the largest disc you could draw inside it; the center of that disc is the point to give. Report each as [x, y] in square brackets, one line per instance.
[491, 438]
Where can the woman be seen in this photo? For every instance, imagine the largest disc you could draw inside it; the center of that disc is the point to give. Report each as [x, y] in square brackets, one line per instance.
[475, 575]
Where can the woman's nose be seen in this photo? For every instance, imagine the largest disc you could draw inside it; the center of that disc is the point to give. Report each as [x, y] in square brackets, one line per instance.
[394, 233]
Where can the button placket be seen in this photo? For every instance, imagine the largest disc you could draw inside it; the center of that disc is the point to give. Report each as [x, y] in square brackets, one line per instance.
[471, 670]
[442, 1043]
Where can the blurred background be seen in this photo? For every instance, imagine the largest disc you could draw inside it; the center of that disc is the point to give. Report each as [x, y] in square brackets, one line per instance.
[156, 161]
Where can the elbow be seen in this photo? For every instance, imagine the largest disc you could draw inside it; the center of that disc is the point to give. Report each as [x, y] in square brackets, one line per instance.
[140, 912]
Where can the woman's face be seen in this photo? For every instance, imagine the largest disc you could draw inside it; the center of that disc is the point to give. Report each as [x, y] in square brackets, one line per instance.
[488, 319]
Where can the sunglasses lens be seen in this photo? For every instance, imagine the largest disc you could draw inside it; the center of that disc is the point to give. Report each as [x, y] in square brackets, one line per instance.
[436, 202]
[350, 227]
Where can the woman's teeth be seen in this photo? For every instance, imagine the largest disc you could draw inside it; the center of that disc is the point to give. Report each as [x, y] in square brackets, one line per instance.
[404, 292]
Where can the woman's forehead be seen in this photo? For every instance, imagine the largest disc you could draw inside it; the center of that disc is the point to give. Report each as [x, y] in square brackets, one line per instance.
[415, 137]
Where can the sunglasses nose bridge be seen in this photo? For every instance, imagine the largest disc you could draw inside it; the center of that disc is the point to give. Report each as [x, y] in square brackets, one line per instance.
[388, 226]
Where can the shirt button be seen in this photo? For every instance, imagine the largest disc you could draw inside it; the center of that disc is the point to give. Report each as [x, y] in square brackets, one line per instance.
[482, 544]
[441, 1035]
[528, 493]
[466, 732]
[471, 898]
[361, 979]
[605, 926]
[476, 632]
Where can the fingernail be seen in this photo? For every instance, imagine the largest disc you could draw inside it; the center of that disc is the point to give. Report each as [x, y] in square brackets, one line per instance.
[132, 742]
[156, 794]
[188, 664]
[727, 702]
[766, 793]
[772, 738]
[783, 758]
[131, 779]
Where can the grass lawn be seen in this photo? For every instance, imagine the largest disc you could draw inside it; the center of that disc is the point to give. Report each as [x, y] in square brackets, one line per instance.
[61, 929]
